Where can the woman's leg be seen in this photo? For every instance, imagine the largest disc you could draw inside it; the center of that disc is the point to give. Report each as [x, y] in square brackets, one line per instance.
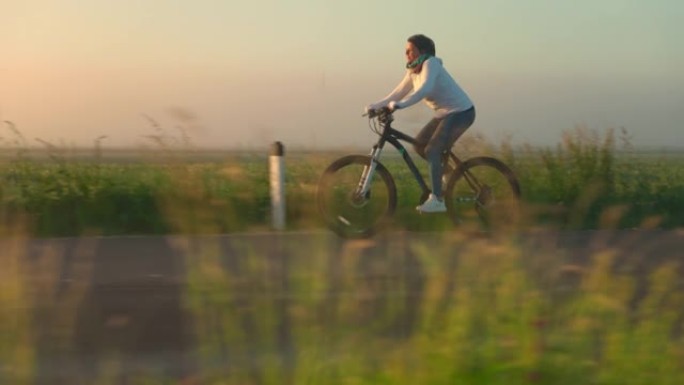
[424, 136]
[445, 134]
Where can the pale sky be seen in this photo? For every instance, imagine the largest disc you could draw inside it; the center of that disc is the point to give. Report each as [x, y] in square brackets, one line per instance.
[301, 71]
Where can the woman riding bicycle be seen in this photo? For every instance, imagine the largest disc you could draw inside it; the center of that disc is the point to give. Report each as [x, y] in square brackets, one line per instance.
[426, 79]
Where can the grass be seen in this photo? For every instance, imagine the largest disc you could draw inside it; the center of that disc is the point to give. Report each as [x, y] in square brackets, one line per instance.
[16, 349]
[436, 308]
[587, 175]
[433, 309]
[405, 315]
[571, 185]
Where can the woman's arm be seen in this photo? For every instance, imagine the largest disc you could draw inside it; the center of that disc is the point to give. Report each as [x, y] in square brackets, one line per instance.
[399, 92]
[431, 69]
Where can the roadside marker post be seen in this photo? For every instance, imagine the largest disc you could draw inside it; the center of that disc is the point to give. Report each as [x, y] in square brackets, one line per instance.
[277, 181]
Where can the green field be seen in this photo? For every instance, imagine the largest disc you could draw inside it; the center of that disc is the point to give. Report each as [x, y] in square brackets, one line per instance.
[587, 181]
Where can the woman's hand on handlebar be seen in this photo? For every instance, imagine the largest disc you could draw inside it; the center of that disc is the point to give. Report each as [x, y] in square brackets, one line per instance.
[393, 106]
[373, 112]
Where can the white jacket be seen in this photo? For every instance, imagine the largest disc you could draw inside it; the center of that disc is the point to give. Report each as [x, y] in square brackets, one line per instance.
[434, 84]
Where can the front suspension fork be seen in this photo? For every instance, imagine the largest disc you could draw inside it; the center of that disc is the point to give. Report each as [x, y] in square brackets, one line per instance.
[363, 187]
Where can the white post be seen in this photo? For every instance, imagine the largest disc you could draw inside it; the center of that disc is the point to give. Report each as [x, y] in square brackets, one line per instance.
[277, 178]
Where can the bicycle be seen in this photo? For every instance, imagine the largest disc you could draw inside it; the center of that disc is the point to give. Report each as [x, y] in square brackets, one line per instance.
[357, 195]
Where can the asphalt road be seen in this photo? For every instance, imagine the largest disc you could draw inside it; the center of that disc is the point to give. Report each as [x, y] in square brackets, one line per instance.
[94, 301]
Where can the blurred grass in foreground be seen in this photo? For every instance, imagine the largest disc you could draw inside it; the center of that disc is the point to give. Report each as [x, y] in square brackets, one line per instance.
[16, 348]
[421, 308]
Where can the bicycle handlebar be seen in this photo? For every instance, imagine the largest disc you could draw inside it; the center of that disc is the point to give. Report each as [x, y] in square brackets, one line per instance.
[383, 116]
[380, 112]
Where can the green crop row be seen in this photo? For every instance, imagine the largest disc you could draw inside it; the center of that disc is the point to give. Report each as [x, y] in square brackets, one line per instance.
[586, 181]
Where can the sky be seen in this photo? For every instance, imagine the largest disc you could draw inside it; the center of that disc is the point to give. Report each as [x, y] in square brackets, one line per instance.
[242, 74]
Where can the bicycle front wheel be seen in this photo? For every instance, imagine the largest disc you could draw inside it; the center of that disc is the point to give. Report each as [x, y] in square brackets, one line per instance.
[347, 210]
[483, 193]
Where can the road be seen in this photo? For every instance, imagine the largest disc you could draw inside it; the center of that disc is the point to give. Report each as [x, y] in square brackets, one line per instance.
[139, 302]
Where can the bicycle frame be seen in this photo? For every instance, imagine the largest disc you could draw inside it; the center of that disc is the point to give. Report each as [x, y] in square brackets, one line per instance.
[394, 137]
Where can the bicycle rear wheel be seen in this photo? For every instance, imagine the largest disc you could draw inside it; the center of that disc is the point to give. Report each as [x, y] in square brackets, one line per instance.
[347, 212]
[483, 193]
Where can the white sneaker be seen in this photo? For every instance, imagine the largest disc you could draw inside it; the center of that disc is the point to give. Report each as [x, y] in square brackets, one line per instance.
[432, 205]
